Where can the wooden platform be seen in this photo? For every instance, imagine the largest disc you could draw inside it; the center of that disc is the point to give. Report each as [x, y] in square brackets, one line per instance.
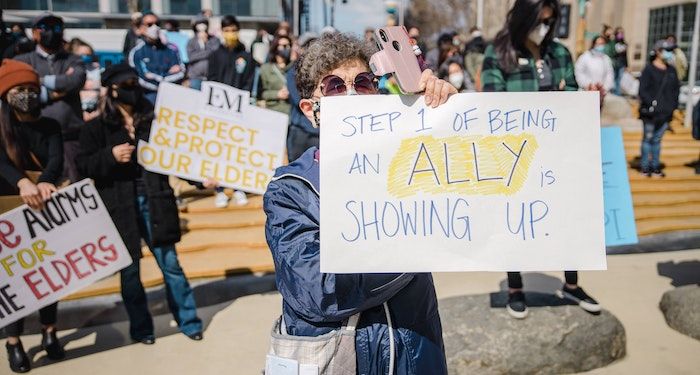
[220, 242]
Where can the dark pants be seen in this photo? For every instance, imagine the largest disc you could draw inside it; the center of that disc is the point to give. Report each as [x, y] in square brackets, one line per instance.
[47, 316]
[298, 141]
[70, 169]
[515, 280]
[651, 145]
[177, 289]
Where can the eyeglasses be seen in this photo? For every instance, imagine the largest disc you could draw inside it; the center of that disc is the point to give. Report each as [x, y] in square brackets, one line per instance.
[364, 84]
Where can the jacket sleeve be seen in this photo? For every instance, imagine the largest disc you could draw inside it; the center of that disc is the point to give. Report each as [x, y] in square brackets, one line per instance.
[491, 75]
[136, 62]
[293, 237]
[266, 82]
[609, 83]
[213, 69]
[93, 160]
[294, 96]
[195, 54]
[175, 55]
[54, 167]
[73, 82]
[569, 73]
[8, 171]
[580, 71]
[675, 87]
[248, 74]
[645, 94]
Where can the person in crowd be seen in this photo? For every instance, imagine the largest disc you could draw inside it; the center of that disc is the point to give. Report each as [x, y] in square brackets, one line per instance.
[316, 303]
[283, 29]
[474, 55]
[414, 33]
[595, 67]
[173, 35]
[456, 75]
[526, 44]
[62, 76]
[261, 46]
[231, 64]
[620, 62]
[679, 61]
[302, 134]
[207, 13]
[609, 35]
[90, 93]
[272, 76]
[31, 145]
[369, 35]
[141, 203]
[658, 95]
[18, 42]
[198, 50]
[154, 60]
[435, 57]
[133, 35]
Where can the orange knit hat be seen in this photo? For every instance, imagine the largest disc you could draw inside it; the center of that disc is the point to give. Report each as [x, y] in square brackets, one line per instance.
[14, 73]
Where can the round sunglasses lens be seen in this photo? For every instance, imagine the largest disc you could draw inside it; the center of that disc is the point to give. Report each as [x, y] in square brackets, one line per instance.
[334, 86]
[364, 84]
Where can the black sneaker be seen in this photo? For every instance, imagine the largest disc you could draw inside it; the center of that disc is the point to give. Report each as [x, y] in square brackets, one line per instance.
[517, 308]
[658, 173]
[577, 295]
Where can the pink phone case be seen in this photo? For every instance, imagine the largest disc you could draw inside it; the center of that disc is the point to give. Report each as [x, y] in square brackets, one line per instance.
[396, 56]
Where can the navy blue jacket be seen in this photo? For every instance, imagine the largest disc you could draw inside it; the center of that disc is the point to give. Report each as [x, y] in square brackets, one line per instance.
[315, 303]
[297, 117]
[153, 63]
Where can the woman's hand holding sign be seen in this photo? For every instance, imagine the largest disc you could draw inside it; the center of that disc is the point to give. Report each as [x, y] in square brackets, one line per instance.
[122, 152]
[30, 194]
[436, 91]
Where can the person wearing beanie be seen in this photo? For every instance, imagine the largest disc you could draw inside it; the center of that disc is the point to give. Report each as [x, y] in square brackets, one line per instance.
[141, 203]
[31, 162]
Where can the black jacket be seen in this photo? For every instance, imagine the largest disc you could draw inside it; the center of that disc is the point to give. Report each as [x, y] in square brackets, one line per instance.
[116, 182]
[43, 139]
[234, 67]
[67, 110]
[651, 87]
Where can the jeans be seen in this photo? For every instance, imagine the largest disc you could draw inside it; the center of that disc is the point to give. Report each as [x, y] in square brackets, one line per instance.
[515, 280]
[47, 316]
[651, 145]
[177, 289]
[618, 77]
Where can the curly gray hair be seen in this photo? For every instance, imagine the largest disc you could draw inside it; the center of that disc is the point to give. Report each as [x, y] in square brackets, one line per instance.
[327, 53]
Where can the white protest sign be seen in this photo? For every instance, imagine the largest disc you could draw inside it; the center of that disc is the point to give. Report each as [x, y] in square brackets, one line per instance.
[485, 182]
[214, 133]
[46, 255]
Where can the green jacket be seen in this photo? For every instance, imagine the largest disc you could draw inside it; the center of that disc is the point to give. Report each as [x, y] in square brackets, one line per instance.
[272, 80]
[524, 77]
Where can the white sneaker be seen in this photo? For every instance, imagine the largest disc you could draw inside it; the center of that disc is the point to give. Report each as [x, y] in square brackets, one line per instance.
[221, 200]
[240, 198]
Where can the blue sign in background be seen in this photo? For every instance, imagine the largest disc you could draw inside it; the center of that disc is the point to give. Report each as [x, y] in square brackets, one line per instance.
[620, 228]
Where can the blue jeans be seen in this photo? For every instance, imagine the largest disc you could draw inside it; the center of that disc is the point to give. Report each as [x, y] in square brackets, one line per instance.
[177, 288]
[618, 77]
[651, 145]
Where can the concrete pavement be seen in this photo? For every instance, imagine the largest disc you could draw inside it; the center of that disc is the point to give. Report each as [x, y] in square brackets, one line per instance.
[236, 335]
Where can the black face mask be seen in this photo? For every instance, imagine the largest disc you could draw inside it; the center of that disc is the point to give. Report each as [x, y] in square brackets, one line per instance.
[129, 96]
[285, 54]
[51, 39]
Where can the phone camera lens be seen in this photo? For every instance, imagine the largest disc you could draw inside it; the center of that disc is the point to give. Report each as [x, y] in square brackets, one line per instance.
[396, 45]
[382, 35]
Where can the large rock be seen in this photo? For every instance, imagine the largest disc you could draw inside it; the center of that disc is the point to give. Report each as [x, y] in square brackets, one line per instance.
[481, 338]
[681, 307]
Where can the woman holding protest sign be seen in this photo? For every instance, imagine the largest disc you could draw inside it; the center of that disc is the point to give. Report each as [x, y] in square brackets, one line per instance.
[141, 203]
[525, 57]
[31, 162]
[398, 329]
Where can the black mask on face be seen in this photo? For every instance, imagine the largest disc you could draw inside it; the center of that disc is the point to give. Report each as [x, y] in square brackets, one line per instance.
[51, 39]
[129, 96]
[285, 53]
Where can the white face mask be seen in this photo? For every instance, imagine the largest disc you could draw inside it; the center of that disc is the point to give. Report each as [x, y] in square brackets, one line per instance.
[537, 35]
[153, 32]
[457, 80]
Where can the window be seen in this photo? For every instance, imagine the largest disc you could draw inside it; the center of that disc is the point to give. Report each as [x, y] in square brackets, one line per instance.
[676, 20]
[123, 5]
[235, 7]
[188, 7]
[74, 5]
[24, 4]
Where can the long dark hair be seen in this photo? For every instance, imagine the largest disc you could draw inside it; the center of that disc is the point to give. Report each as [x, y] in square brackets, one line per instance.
[521, 20]
[273, 48]
[143, 111]
[12, 143]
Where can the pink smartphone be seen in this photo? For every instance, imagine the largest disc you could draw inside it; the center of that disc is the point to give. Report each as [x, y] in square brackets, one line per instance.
[396, 56]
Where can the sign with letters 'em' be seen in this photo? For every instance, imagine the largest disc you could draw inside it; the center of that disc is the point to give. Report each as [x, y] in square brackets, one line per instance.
[620, 228]
[48, 254]
[485, 182]
[214, 133]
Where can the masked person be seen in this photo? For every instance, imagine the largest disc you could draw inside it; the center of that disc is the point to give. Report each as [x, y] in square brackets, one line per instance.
[595, 67]
[302, 134]
[198, 50]
[154, 59]
[272, 76]
[90, 93]
[525, 57]
[315, 303]
[231, 64]
[658, 95]
[31, 145]
[141, 203]
[620, 62]
[62, 76]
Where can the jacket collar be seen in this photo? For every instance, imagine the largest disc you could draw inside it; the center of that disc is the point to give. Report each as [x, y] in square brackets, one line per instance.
[305, 168]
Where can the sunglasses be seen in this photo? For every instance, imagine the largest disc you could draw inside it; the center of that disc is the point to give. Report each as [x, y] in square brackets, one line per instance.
[54, 28]
[364, 84]
[548, 21]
